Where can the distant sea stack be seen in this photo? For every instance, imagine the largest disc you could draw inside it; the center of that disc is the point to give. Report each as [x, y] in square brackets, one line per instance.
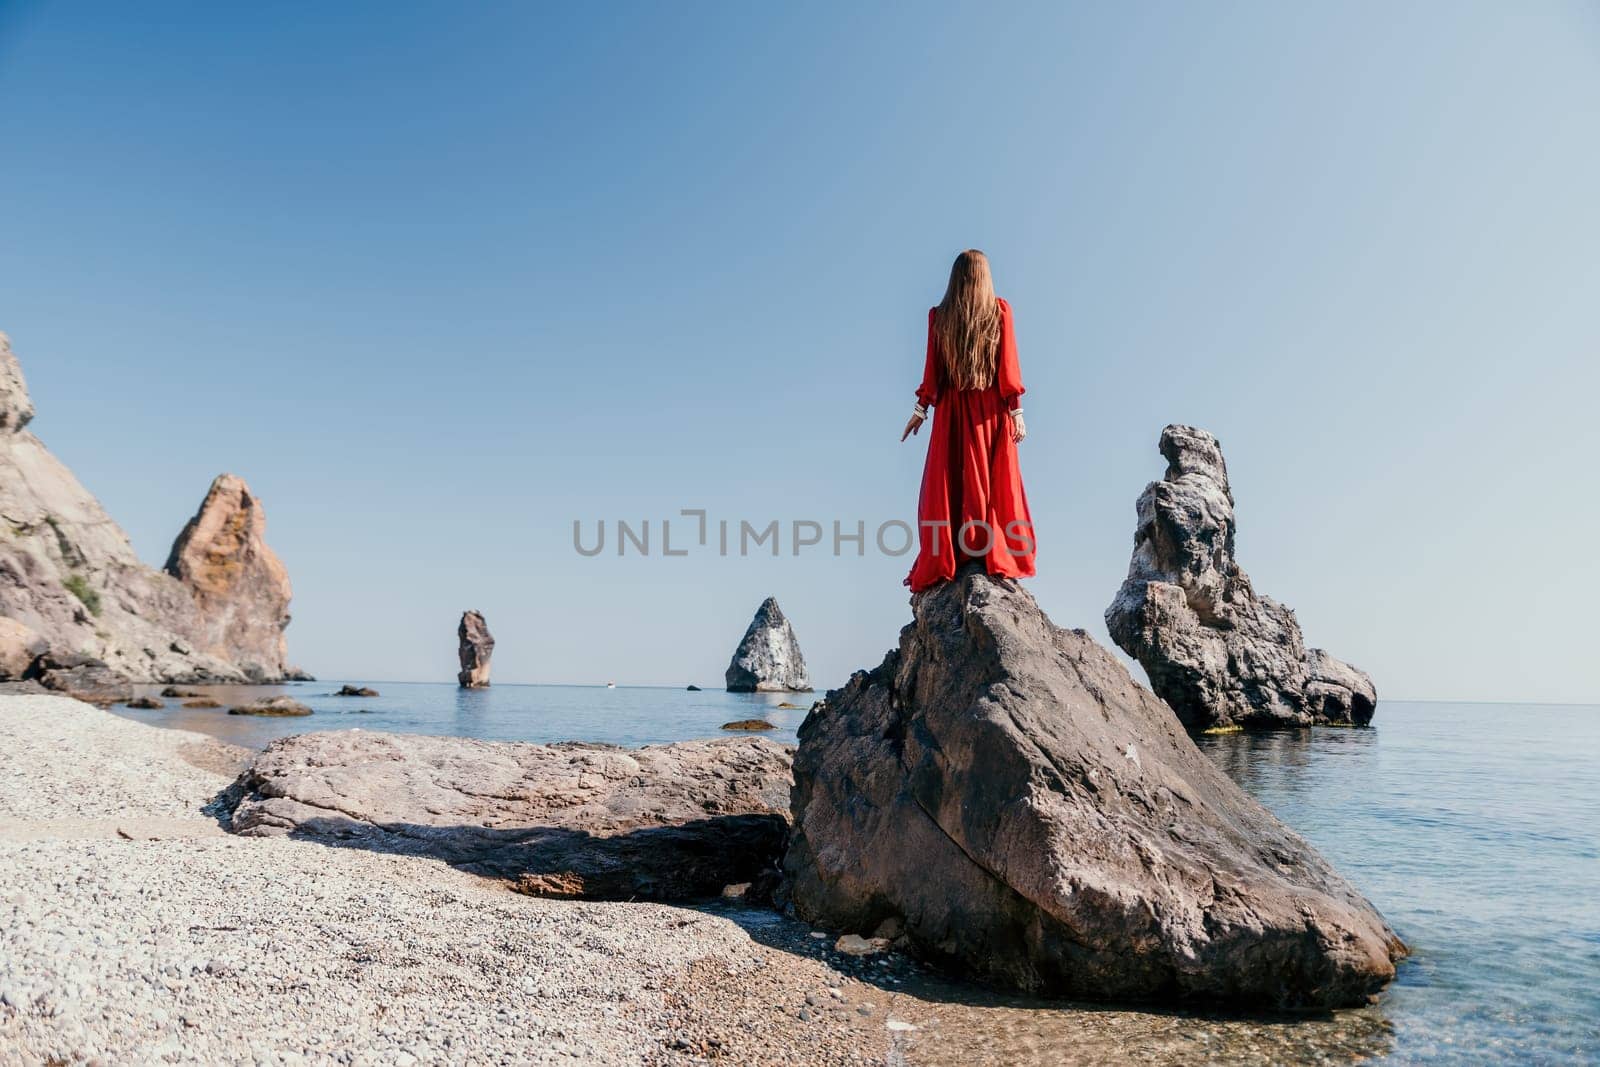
[768, 660]
[1214, 650]
[477, 647]
[69, 576]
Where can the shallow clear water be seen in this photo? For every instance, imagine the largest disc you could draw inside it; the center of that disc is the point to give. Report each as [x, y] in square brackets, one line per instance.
[626, 715]
[1475, 828]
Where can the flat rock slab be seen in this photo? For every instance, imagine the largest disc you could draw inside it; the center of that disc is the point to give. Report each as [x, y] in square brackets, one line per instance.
[599, 822]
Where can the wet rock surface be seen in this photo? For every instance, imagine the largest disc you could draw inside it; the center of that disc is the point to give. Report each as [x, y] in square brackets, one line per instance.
[272, 707]
[1216, 651]
[1034, 818]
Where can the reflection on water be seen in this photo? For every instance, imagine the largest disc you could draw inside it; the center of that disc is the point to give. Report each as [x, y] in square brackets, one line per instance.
[1474, 828]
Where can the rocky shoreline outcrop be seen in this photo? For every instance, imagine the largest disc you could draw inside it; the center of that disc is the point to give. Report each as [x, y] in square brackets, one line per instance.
[590, 821]
[70, 579]
[1002, 797]
[768, 659]
[1220, 654]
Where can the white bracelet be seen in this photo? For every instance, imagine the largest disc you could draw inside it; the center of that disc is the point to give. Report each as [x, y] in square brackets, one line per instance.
[920, 411]
[1016, 411]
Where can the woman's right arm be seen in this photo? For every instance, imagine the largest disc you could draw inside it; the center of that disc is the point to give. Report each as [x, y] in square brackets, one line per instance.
[928, 391]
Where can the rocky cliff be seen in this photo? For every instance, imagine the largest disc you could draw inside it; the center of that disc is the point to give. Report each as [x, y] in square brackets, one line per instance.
[768, 658]
[1001, 794]
[1216, 651]
[69, 575]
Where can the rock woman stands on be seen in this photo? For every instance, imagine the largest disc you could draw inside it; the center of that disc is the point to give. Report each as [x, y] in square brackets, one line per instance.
[972, 505]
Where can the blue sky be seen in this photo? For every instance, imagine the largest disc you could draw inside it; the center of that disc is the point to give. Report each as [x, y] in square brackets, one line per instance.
[439, 279]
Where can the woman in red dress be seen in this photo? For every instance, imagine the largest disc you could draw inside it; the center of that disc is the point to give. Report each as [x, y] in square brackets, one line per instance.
[972, 505]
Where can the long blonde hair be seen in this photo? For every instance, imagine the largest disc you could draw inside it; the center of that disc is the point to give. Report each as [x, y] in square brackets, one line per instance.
[967, 323]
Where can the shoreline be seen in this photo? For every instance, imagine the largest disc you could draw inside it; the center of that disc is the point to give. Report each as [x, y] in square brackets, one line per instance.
[137, 930]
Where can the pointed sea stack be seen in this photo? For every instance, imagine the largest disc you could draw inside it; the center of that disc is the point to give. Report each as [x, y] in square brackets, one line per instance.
[1220, 654]
[477, 647]
[768, 659]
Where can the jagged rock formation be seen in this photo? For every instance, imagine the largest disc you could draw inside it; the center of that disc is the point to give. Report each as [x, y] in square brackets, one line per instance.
[241, 589]
[476, 649]
[69, 574]
[664, 822]
[1003, 793]
[768, 659]
[1214, 650]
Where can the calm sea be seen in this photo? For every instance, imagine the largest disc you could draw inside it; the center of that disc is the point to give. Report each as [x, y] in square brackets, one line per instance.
[1475, 828]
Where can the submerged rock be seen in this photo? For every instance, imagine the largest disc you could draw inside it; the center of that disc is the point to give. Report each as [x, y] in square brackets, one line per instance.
[356, 691]
[476, 649]
[277, 707]
[146, 703]
[749, 724]
[1217, 652]
[768, 659]
[69, 574]
[664, 822]
[1030, 815]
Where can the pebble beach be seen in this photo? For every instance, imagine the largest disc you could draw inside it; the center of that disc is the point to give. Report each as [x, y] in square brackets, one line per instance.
[133, 929]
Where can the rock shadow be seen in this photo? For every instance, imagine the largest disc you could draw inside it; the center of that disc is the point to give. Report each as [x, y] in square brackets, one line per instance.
[672, 863]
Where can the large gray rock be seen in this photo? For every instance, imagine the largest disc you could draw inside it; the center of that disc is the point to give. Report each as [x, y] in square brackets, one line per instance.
[69, 574]
[1217, 652]
[662, 822]
[1026, 813]
[475, 648]
[768, 658]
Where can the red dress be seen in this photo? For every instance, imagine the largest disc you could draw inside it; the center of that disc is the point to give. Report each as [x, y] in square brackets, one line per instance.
[972, 492]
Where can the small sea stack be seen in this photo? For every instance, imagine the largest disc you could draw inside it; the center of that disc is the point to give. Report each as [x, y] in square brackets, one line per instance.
[476, 649]
[768, 659]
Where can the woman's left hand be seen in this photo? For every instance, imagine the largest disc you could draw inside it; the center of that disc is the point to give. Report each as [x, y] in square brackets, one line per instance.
[1019, 429]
